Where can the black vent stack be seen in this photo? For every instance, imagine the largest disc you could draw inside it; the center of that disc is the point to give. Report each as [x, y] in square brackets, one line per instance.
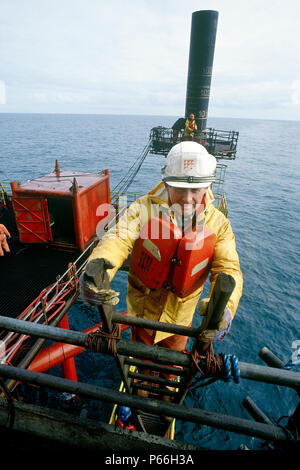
[201, 55]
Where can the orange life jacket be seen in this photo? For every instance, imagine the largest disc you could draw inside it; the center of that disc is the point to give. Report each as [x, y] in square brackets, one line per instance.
[162, 257]
[153, 252]
[120, 424]
[192, 124]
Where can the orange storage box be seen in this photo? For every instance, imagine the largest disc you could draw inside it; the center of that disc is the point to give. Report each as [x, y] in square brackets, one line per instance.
[60, 209]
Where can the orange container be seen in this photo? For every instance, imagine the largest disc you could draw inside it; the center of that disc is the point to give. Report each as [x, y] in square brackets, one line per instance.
[60, 208]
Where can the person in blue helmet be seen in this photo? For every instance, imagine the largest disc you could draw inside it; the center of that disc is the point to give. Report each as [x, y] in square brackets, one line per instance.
[126, 419]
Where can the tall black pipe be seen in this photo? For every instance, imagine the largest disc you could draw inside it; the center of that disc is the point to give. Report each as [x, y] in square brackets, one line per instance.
[201, 56]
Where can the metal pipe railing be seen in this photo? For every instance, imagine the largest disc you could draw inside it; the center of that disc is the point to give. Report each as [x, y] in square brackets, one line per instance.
[157, 354]
[217, 420]
[155, 367]
[155, 325]
[270, 358]
[255, 411]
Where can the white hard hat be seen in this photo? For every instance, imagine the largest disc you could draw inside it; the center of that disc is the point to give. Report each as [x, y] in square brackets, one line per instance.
[189, 165]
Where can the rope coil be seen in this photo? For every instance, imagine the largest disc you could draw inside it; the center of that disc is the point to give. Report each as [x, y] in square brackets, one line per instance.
[212, 365]
[94, 340]
[223, 366]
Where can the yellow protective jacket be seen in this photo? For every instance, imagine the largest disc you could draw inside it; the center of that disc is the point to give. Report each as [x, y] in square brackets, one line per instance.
[190, 127]
[162, 305]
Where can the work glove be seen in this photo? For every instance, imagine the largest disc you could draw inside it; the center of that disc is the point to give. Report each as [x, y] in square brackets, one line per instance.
[224, 325]
[94, 285]
[4, 233]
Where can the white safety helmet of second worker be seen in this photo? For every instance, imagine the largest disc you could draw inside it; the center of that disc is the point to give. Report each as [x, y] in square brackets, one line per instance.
[189, 165]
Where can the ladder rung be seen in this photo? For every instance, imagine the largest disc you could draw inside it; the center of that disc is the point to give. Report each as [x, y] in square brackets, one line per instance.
[157, 390]
[158, 367]
[158, 380]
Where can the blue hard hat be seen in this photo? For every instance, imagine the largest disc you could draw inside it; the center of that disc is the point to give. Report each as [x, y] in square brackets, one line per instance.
[124, 412]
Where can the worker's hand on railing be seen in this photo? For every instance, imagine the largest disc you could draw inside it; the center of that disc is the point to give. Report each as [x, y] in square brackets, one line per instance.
[223, 326]
[94, 284]
[4, 233]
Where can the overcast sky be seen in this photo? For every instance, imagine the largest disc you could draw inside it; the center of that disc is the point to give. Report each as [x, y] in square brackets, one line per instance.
[131, 57]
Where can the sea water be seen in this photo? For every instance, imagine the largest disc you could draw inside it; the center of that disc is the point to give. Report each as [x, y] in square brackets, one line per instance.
[262, 190]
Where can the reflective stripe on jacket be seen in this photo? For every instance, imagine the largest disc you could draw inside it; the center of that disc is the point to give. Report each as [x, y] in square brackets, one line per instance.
[162, 305]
